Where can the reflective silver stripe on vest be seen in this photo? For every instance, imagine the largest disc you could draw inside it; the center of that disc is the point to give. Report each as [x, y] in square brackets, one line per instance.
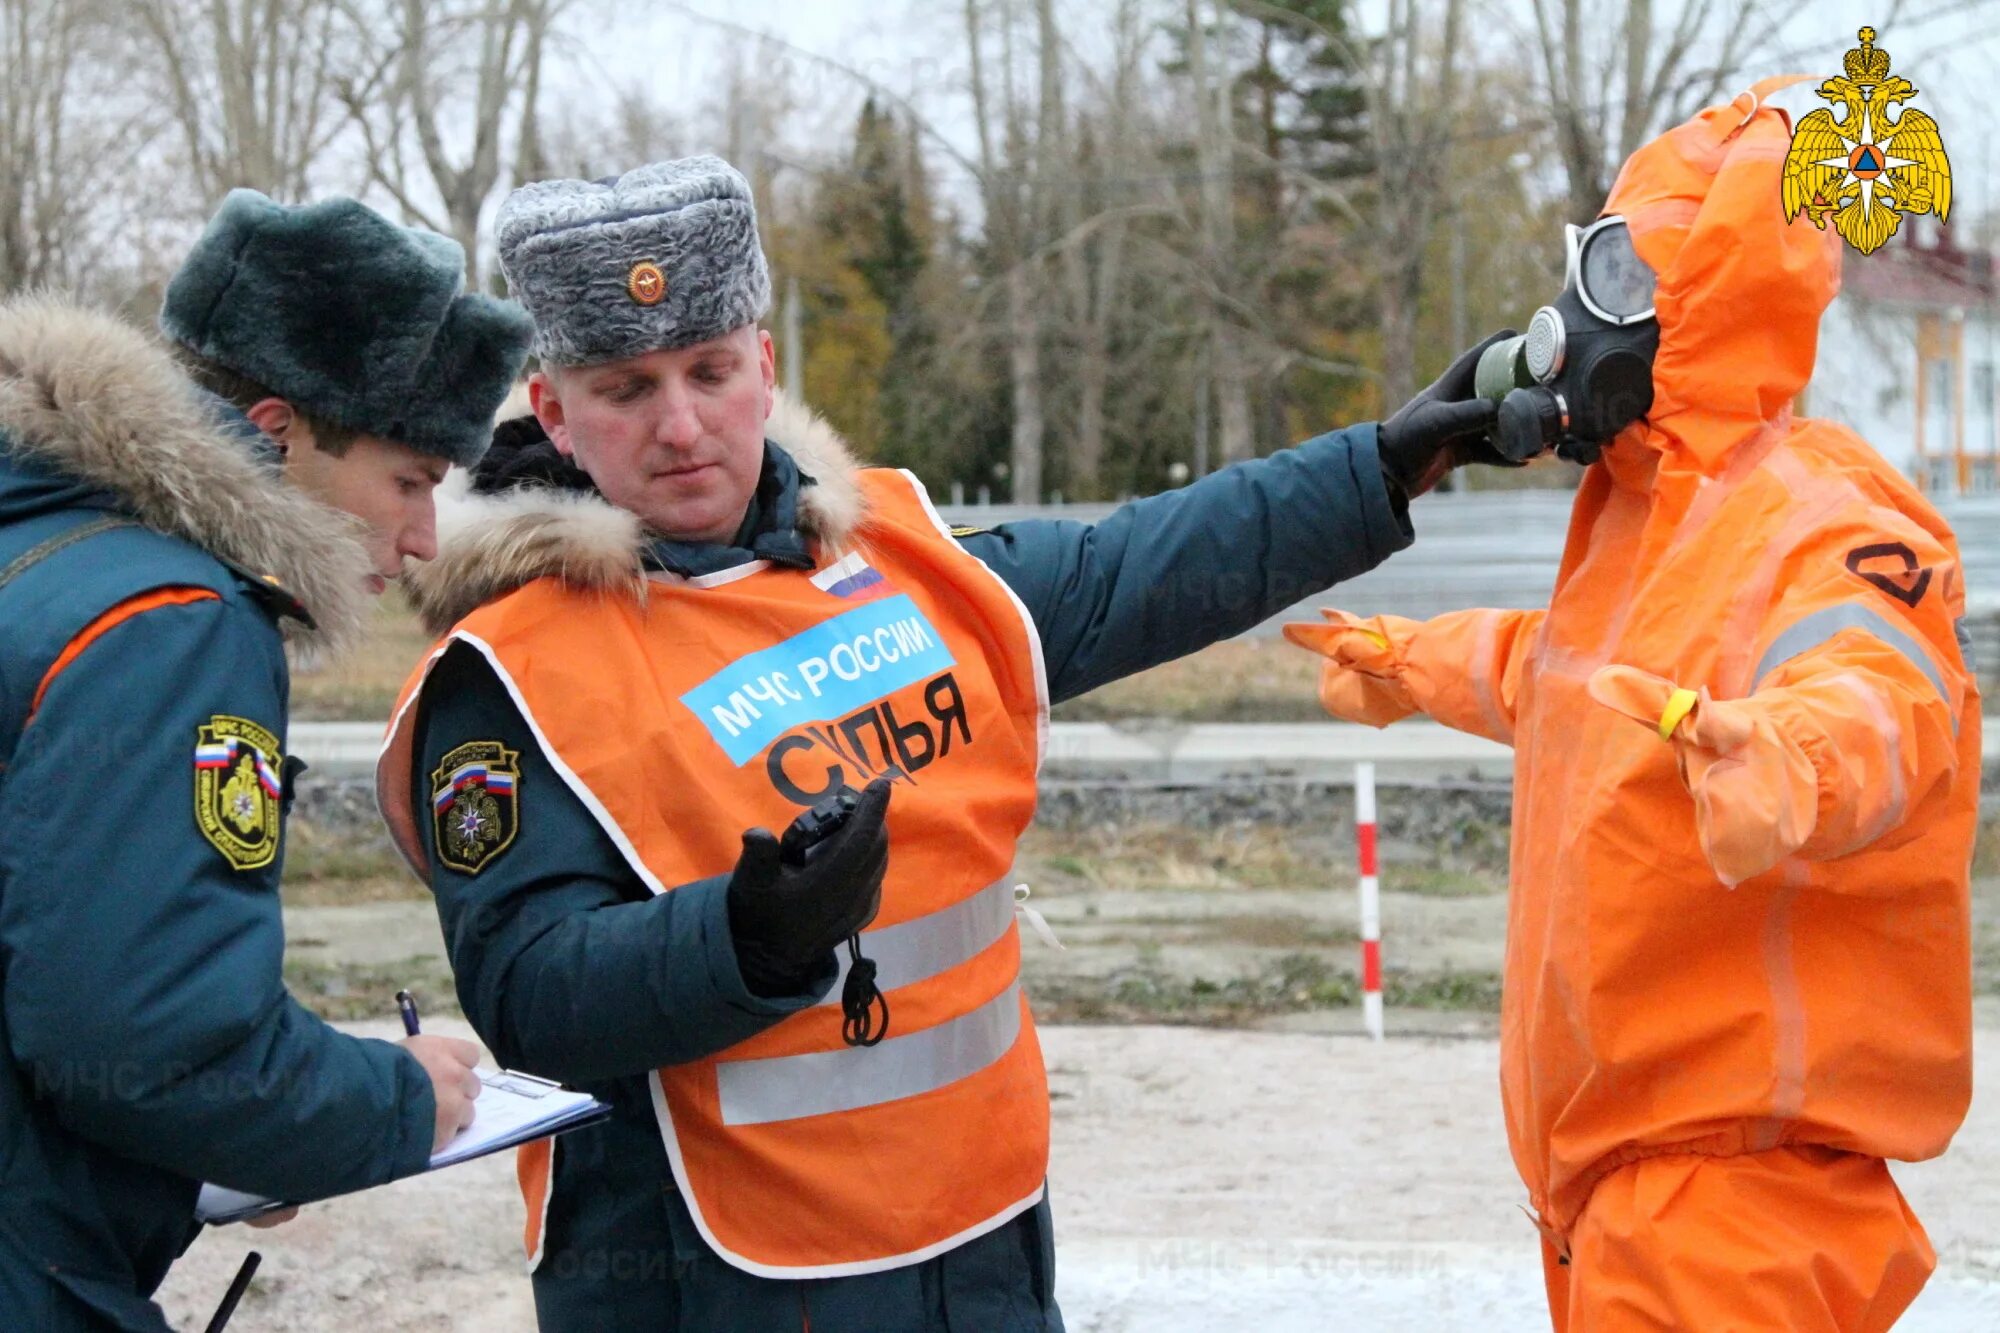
[1820, 626]
[924, 946]
[790, 1087]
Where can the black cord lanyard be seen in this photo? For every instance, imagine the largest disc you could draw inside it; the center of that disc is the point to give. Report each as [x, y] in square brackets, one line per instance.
[859, 998]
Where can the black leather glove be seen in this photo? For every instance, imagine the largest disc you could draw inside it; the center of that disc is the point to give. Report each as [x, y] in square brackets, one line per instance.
[1441, 428]
[787, 919]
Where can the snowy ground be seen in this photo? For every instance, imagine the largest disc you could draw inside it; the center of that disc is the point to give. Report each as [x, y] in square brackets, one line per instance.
[1203, 1180]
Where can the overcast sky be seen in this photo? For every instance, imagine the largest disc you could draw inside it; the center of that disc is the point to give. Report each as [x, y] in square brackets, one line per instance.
[1950, 51]
[1949, 48]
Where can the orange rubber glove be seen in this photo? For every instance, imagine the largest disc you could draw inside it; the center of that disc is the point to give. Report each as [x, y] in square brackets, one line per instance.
[1466, 669]
[1756, 796]
[1362, 680]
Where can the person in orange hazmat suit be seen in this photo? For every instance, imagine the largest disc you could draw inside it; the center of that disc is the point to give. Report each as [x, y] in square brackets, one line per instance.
[1747, 754]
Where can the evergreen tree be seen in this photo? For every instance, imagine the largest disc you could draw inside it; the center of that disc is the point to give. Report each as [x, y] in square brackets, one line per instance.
[881, 288]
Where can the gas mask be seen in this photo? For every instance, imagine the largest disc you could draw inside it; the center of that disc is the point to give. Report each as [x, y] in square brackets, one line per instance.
[1584, 369]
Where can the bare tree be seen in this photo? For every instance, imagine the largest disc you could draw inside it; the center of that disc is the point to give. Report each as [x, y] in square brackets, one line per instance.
[1012, 211]
[1051, 157]
[589, 141]
[759, 98]
[1093, 249]
[1412, 108]
[40, 40]
[248, 84]
[1012, 249]
[1094, 271]
[409, 81]
[1215, 154]
[1613, 74]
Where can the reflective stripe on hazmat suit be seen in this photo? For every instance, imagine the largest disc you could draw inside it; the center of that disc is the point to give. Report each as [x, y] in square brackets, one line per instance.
[1748, 675]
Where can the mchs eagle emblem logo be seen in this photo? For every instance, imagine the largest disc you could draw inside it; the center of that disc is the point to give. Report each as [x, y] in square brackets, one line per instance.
[238, 790]
[1866, 171]
[475, 810]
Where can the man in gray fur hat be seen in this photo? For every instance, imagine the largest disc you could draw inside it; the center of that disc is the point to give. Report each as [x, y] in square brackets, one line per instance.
[679, 616]
[168, 517]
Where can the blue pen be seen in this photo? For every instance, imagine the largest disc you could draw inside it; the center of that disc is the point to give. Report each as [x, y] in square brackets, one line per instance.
[407, 1004]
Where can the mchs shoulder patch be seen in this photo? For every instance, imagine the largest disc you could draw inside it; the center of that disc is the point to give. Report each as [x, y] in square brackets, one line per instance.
[475, 806]
[238, 790]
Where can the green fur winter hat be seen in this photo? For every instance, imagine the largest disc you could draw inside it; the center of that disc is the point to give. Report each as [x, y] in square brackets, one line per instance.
[352, 319]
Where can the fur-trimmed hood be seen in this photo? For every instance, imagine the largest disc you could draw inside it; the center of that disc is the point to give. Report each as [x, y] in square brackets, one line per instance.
[98, 400]
[489, 545]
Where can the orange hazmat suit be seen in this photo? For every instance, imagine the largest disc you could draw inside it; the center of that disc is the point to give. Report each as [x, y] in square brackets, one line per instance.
[1747, 753]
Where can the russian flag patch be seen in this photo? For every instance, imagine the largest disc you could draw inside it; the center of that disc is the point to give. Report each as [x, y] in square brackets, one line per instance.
[853, 578]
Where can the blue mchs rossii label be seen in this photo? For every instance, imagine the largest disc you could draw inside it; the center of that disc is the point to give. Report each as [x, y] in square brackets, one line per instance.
[833, 669]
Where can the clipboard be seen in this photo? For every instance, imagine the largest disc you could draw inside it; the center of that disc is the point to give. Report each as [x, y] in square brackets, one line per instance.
[515, 1108]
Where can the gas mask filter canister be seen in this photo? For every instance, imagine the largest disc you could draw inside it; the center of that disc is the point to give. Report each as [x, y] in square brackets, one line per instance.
[1584, 369]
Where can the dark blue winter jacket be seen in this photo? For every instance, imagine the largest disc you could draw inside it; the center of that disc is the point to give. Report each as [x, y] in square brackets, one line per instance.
[147, 1042]
[568, 968]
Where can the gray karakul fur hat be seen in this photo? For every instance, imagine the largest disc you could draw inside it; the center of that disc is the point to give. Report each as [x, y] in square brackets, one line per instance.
[663, 256]
[352, 319]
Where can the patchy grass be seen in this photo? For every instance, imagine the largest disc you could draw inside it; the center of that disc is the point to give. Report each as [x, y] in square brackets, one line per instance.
[364, 686]
[1985, 917]
[1986, 854]
[1450, 990]
[314, 853]
[396, 886]
[1259, 931]
[1441, 881]
[1241, 680]
[342, 992]
[1169, 856]
[1235, 934]
[324, 870]
[1294, 983]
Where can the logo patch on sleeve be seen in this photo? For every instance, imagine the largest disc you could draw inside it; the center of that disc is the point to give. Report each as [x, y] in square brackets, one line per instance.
[1891, 567]
[238, 788]
[475, 806]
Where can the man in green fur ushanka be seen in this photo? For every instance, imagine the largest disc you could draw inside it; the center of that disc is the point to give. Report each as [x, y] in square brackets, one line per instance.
[169, 516]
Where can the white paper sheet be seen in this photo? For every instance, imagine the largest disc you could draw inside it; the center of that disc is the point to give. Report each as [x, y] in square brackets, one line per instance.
[513, 1109]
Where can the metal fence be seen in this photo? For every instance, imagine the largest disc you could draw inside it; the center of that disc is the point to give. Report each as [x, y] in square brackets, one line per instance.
[1502, 548]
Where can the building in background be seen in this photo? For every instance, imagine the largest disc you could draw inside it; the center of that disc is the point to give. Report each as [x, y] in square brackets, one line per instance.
[1909, 356]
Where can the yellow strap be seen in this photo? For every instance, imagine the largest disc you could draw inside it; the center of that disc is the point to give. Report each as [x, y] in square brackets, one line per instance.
[1379, 640]
[1679, 704]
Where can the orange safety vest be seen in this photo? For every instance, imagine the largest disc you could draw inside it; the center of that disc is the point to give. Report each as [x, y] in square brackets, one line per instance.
[737, 699]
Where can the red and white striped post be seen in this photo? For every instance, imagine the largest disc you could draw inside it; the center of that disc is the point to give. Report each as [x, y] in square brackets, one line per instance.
[1371, 900]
